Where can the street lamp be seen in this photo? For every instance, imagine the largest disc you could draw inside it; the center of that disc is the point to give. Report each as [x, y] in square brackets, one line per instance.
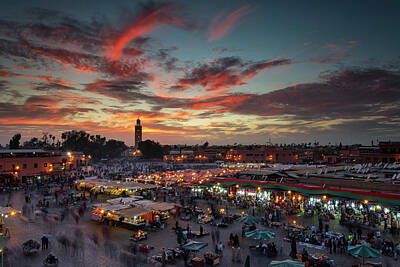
[2, 248]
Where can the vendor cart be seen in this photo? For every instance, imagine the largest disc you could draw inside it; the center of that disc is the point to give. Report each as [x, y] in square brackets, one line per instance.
[211, 258]
[138, 236]
[30, 247]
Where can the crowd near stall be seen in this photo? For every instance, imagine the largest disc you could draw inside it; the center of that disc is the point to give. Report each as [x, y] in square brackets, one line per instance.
[315, 222]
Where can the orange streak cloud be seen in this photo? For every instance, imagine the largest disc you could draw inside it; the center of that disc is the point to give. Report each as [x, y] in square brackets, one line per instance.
[228, 23]
[145, 24]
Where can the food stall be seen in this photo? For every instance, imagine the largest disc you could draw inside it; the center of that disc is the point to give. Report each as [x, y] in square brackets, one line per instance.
[124, 200]
[160, 210]
[106, 211]
[211, 258]
[135, 216]
[6, 212]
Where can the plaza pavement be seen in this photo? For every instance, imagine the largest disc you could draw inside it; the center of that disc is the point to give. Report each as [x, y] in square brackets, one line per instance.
[109, 253]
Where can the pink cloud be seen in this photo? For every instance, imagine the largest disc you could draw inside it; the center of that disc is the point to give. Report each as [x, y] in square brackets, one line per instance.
[227, 24]
[145, 24]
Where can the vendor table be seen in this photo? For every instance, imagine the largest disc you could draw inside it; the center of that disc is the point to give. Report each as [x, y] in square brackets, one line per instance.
[198, 262]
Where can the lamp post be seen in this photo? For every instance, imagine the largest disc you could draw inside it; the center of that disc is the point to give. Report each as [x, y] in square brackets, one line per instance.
[2, 248]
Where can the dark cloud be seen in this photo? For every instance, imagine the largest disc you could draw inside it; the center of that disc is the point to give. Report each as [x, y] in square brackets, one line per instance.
[350, 93]
[226, 72]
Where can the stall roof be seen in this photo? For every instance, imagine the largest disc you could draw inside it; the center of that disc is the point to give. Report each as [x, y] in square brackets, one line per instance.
[109, 207]
[143, 202]
[132, 212]
[6, 210]
[160, 206]
[124, 200]
[119, 184]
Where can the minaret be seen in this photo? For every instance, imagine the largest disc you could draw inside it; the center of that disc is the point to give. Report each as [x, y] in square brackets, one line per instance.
[138, 133]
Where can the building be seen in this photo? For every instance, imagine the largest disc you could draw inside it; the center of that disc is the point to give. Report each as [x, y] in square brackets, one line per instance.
[24, 165]
[138, 133]
[264, 154]
[385, 152]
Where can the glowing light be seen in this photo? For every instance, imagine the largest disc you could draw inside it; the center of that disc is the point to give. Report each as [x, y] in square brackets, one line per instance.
[237, 186]
[289, 192]
[324, 197]
[366, 201]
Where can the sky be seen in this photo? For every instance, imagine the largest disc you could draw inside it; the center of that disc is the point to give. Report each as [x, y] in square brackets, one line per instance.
[194, 71]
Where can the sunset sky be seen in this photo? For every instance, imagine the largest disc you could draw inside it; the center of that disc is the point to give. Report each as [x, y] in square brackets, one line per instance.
[194, 71]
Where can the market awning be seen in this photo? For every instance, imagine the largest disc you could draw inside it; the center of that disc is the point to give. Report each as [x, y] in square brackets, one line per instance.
[364, 251]
[248, 219]
[132, 212]
[286, 263]
[160, 206]
[314, 190]
[194, 246]
[259, 234]
[124, 200]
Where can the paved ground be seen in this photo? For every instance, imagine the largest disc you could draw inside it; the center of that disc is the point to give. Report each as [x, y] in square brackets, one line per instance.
[108, 253]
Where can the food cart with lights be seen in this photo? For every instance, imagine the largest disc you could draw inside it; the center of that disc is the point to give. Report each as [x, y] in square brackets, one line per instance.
[102, 212]
[5, 213]
[161, 210]
[135, 217]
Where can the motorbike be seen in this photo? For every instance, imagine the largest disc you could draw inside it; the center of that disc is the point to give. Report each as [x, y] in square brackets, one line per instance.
[50, 260]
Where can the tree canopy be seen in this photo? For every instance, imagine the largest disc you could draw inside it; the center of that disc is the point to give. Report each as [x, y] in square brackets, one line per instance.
[95, 145]
[151, 149]
[14, 141]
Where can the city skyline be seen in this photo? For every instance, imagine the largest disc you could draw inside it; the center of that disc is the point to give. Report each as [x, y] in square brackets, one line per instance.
[223, 71]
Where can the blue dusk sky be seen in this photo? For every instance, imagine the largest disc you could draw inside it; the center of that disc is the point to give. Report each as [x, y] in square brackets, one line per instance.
[194, 71]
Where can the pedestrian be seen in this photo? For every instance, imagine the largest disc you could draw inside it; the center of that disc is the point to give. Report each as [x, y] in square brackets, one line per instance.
[247, 263]
[7, 233]
[330, 245]
[293, 246]
[43, 242]
[236, 241]
[334, 245]
[238, 255]
[359, 233]
[220, 248]
[201, 230]
[213, 236]
[233, 253]
[320, 225]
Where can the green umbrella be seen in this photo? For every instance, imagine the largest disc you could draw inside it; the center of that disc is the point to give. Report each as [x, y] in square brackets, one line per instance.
[73, 192]
[248, 219]
[286, 263]
[194, 246]
[259, 234]
[364, 251]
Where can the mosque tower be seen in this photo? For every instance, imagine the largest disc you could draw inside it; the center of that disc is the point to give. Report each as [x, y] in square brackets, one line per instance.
[138, 133]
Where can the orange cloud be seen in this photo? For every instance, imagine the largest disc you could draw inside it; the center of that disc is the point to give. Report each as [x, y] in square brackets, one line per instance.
[227, 24]
[146, 23]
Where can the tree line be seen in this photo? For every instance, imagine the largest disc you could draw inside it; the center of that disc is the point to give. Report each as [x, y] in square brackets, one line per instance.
[95, 145]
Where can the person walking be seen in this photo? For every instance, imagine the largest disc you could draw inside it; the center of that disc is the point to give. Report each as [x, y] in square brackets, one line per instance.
[330, 245]
[293, 246]
[334, 245]
[220, 247]
[247, 263]
[44, 246]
